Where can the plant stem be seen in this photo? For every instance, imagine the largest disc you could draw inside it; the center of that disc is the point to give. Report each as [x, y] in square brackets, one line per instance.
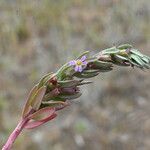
[15, 134]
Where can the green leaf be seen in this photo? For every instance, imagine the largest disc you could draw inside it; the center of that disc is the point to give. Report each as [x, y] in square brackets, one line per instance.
[83, 75]
[53, 103]
[119, 60]
[44, 79]
[84, 53]
[69, 97]
[91, 71]
[27, 106]
[38, 97]
[61, 73]
[68, 83]
[120, 57]
[89, 60]
[121, 64]
[85, 82]
[57, 98]
[105, 69]
[112, 50]
[138, 60]
[146, 59]
[102, 64]
[125, 46]
[136, 52]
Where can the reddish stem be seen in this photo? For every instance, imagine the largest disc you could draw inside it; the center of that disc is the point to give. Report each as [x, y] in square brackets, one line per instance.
[15, 134]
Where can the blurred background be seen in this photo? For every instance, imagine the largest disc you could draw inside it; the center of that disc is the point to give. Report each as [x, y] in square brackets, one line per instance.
[38, 36]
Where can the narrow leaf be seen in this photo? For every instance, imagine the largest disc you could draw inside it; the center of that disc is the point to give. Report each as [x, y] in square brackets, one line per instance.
[137, 59]
[90, 71]
[42, 114]
[102, 64]
[84, 53]
[83, 75]
[125, 46]
[44, 79]
[27, 106]
[85, 82]
[146, 59]
[69, 97]
[121, 57]
[68, 83]
[36, 102]
[33, 124]
[136, 52]
[112, 50]
[53, 103]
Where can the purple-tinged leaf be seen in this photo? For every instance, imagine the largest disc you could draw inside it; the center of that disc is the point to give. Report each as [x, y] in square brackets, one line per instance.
[42, 114]
[51, 94]
[33, 124]
[27, 106]
[62, 106]
[53, 103]
[36, 101]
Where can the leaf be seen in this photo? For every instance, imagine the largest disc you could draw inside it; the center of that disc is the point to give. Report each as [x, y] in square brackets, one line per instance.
[84, 53]
[69, 97]
[53, 103]
[146, 59]
[85, 75]
[125, 46]
[121, 64]
[120, 57]
[33, 124]
[61, 73]
[44, 79]
[38, 97]
[85, 82]
[102, 64]
[28, 107]
[105, 69]
[133, 62]
[51, 94]
[90, 71]
[112, 50]
[138, 60]
[58, 99]
[42, 114]
[91, 59]
[119, 60]
[68, 83]
[136, 52]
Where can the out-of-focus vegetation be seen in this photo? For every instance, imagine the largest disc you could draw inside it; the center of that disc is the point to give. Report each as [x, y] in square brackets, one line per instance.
[38, 36]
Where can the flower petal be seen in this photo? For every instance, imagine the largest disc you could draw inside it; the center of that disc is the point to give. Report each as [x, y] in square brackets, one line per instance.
[84, 63]
[76, 68]
[83, 58]
[72, 63]
[80, 69]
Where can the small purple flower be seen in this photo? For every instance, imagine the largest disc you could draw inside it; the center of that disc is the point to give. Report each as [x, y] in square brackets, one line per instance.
[79, 64]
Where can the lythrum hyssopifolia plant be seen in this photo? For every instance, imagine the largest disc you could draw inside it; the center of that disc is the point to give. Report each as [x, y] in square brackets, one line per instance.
[56, 90]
